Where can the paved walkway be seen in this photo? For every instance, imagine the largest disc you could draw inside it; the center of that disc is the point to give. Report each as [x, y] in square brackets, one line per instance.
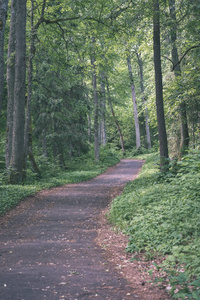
[47, 244]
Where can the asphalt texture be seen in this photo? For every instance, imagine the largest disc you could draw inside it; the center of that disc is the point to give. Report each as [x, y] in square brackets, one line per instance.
[47, 243]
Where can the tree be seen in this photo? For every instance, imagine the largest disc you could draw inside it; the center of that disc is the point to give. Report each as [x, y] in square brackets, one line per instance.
[140, 63]
[96, 104]
[137, 127]
[19, 93]
[159, 87]
[10, 85]
[115, 118]
[3, 16]
[177, 72]
[27, 130]
[103, 110]
[62, 57]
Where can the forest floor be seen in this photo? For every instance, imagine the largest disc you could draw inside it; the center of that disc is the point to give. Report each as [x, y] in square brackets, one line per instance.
[58, 245]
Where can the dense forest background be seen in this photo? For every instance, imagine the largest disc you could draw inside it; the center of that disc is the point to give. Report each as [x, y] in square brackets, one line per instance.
[77, 75]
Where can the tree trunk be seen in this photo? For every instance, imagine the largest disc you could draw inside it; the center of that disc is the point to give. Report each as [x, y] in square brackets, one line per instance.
[177, 72]
[19, 93]
[115, 119]
[30, 83]
[44, 144]
[3, 17]
[33, 163]
[88, 118]
[35, 167]
[148, 136]
[193, 134]
[96, 107]
[159, 88]
[10, 85]
[29, 93]
[199, 124]
[103, 110]
[137, 127]
[89, 128]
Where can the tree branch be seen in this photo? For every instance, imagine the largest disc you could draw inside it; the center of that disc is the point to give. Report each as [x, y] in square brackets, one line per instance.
[60, 20]
[119, 11]
[113, 15]
[186, 52]
[43, 8]
[178, 63]
[169, 60]
[43, 85]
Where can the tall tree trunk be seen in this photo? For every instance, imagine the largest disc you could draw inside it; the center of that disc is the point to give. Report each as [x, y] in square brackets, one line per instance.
[29, 93]
[140, 62]
[96, 107]
[89, 128]
[177, 72]
[193, 133]
[35, 167]
[159, 88]
[137, 127]
[115, 118]
[10, 85]
[3, 17]
[88, 118]
[30, 83]
[103, 110]
[44, 144]
[19, 94]
[199, 124]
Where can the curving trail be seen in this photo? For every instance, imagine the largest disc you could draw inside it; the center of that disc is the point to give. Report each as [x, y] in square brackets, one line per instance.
[47, 244]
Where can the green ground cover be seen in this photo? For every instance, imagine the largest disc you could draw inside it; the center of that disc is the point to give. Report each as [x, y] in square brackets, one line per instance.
[161, 215]
[79, 169]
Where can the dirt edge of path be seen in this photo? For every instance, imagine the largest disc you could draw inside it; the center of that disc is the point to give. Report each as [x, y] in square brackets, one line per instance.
[136, 272]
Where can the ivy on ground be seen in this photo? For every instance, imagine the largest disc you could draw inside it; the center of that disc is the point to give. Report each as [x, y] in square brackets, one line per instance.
[161, 215]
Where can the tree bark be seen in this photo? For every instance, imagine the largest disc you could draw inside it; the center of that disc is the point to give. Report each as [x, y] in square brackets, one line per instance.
[35, 167]
[103, 110]
[10, 85]
[159, 88]
[148, 136]
[29, 93]
[115, 118]
[89, 128]
[3, 17]
[30, 83]
[19, 94]
[44, 144]
[96, 106]
[177, 72]
[199, 124]
[137, 127]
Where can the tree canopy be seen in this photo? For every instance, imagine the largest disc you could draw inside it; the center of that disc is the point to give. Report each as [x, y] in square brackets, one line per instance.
[90, 78]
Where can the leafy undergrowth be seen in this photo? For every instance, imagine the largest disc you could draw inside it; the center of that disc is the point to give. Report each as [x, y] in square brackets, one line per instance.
[78, 170]
[161, 215]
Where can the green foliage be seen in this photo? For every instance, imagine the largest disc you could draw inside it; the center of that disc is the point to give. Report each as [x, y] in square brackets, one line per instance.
[139, 152]
[161, 214]
[109, 157]
[78, 170]
[188, 289]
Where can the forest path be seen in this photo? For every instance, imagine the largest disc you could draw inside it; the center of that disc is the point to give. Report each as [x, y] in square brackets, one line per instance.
[48, 248]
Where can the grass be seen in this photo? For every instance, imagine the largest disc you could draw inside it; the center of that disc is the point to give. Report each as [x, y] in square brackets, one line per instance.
[78, 170]
[161, 215]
